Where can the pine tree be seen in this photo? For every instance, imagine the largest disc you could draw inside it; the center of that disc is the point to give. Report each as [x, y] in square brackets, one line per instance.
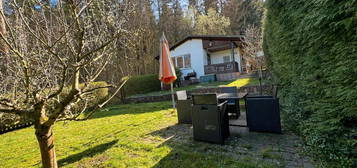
[243, 13]
[212, 24]
[210, 4]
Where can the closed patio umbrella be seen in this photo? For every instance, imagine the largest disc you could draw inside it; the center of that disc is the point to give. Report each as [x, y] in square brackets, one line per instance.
[167, 74]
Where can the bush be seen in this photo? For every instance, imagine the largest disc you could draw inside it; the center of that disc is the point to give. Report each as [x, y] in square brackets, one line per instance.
[142, 84]
[8, 120]
[179, 75]
[311, 51]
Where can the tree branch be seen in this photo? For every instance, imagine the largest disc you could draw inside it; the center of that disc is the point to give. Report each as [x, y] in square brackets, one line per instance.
[90, 114]
[101, 47]
[96, 88]
[47, 47]
[24, 65]
[64, 74]
[8, 26]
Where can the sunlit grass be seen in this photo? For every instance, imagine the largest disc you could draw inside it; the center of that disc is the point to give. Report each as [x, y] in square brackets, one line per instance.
[131, 135]
[240, 82]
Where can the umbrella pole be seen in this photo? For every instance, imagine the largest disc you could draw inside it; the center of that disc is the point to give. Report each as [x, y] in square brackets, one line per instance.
[172, 95]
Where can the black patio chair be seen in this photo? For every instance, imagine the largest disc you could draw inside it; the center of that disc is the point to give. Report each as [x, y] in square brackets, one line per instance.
[184, 107]
[210, 119]
[232, 104]
[263, 113]
[228, 89]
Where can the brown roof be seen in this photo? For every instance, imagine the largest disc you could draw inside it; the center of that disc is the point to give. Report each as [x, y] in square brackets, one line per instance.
[208, 37]
[234, 38]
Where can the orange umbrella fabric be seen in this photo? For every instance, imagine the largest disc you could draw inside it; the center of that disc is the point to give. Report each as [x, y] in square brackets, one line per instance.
[167, 73]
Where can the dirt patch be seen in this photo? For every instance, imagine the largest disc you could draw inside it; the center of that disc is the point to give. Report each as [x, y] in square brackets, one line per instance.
[96, 161]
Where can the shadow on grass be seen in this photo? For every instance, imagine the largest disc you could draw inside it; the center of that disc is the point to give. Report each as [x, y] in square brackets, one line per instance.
[87, 153]
[187, 153]
[132, 109]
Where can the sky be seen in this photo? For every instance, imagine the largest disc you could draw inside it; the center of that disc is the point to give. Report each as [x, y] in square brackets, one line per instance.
[54, 2]
[184, 5]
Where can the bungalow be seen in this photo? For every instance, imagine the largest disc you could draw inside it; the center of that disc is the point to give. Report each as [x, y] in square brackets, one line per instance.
[209, 54]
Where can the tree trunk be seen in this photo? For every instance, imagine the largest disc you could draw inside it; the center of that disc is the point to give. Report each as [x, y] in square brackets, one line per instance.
[3, 46]
[45, 140]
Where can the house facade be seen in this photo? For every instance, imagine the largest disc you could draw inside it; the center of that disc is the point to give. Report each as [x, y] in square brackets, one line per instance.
[205, 55]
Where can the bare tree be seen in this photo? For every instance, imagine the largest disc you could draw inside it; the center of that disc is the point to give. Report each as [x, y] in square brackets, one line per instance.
[55, 52]
[3, 47]
[253, 48]
[253, 42]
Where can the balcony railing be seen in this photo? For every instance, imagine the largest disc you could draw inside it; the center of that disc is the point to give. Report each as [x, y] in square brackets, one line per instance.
[221, 68]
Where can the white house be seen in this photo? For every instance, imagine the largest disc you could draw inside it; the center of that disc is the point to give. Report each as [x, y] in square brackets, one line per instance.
[207, 54]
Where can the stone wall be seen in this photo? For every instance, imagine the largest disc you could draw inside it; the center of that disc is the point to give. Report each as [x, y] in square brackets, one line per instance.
[228, 76]
[253, 90]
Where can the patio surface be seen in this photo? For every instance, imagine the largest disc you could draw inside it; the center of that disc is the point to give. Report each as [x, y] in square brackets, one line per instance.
[277, 150]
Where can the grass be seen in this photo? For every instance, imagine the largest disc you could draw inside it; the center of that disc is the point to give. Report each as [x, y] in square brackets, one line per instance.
[268, 153]
[237, 83]
[140, 135]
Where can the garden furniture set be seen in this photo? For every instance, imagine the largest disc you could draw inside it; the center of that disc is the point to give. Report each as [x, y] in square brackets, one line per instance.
[209, 113]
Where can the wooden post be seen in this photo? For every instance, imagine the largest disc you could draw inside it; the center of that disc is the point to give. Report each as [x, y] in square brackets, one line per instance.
[173, 96]
[233, 59]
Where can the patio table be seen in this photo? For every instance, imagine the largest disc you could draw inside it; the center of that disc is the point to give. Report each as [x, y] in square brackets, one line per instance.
[221, 96]
[233, 102]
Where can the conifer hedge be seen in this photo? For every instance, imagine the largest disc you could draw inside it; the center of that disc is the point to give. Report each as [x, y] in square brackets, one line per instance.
[311, 47]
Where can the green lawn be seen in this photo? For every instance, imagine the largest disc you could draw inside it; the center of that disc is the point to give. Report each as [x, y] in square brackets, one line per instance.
[237, 83]
[140, 135]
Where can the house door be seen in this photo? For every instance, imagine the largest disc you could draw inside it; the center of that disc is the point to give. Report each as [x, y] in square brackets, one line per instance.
[208, 59]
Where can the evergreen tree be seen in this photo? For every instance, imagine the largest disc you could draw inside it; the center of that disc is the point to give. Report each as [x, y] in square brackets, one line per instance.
[243, 13]
[210, 4]
[212, 24]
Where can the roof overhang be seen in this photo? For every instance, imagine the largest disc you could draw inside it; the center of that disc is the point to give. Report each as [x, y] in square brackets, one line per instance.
[221, 47]
[208, 37]
[234, 38]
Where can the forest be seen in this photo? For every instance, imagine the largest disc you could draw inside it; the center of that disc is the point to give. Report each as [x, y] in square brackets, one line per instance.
[146, 20]
[178, 19]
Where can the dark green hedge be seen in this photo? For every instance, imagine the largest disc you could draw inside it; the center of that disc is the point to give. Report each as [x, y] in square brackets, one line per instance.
[311, 47]
[142, 84]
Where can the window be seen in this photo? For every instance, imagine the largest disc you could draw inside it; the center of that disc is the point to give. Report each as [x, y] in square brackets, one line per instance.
[187, 59]
[182, 61]
[179, 62]
[226, 59]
